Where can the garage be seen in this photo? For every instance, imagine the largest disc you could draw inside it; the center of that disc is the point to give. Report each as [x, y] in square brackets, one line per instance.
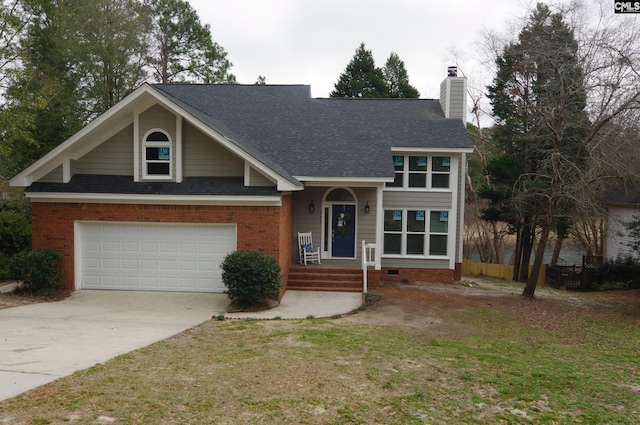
[152, 256]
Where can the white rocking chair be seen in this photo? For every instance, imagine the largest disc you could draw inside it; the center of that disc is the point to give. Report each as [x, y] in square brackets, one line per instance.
[305, 248]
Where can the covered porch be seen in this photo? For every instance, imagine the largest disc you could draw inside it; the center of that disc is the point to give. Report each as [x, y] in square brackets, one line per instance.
[341, 220]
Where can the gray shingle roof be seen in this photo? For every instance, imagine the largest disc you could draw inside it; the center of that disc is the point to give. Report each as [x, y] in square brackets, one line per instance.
[209, 186]
[297, 135]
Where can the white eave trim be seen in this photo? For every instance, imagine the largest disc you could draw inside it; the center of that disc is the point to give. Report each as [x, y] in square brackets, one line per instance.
[431, 150]
[352, 181]
[102, 198]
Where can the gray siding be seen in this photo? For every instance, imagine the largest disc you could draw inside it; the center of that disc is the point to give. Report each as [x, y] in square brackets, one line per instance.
[203, 157]
[113, 157]
[408, 199]
[257, 179]
[53, 177]
[456, 99]
[304, 221]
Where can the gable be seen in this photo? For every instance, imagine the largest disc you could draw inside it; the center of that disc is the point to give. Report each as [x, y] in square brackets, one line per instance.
[113, 144]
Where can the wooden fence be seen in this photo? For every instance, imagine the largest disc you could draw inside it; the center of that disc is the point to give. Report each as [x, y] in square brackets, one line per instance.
[501, 271]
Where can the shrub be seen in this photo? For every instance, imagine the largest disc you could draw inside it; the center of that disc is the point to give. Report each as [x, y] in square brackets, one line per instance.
[251, 277]
[15, 232]
[621, 273]
[39, 270]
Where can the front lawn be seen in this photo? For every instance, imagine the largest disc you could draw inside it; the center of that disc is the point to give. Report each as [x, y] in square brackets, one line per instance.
[481, 362]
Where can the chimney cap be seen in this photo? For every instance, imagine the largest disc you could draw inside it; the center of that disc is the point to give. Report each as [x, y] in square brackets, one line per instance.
[452, 71]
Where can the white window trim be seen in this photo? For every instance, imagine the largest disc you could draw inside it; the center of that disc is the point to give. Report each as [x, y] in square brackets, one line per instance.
[427, 233]
[152, 144]
[429, 173]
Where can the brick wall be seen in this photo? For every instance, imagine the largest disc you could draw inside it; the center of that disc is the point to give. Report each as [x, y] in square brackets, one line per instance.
[259, 228]
[286, 240]
[417, 275]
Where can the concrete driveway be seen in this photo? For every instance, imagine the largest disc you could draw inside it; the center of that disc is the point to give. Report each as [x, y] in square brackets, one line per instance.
[40, 343]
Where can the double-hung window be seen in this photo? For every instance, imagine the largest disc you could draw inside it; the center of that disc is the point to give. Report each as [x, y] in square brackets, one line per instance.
[157, 154]
[421, 172]
[415, 232]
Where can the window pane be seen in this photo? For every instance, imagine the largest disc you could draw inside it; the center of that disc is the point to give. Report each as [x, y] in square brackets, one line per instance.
[158, 168]
[415, 221]
[440, 180]
[392, 243]
[417, 163]
[417, 180]
[441, 163]
[439, 222]
[340, 195]
[157, 136]
[415, 244]
[438, 245]
[398, 181]
[393, 220]
[158, 154]
[398, 163]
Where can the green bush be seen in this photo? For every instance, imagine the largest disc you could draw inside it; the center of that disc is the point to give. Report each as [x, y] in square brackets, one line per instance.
[39, 270]
[621, 273]
[15, 232]
[251, 277]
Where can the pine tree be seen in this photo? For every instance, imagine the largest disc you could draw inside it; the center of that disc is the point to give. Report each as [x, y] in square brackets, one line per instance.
[361, 78]
[397, 79]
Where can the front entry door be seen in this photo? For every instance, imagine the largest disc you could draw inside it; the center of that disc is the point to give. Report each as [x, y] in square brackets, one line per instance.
[343, 230]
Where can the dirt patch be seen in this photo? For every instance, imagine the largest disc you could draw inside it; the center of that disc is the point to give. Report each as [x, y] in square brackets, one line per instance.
[425, 306]
[8, 298]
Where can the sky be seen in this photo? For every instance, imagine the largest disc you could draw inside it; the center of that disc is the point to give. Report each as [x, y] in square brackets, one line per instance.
[312, 41]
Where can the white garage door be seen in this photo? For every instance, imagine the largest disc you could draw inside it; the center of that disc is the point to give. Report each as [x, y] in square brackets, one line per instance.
[153, 257]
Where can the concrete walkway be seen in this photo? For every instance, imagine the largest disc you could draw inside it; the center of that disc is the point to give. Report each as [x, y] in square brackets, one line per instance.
[40, 343]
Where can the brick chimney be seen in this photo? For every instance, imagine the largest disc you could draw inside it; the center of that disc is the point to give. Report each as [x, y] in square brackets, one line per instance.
[453, 95]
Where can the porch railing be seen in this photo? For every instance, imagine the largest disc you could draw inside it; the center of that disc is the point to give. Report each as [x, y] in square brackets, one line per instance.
[368, 259]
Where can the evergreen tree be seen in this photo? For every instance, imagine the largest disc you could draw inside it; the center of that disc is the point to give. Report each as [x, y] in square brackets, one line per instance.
[182, 48]
[361, 78]
[540, 102]
[397, 79]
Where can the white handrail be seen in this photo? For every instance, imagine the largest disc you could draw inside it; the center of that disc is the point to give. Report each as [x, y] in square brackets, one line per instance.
[368, 259]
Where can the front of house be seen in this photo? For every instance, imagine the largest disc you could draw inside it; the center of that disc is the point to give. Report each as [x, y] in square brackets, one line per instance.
[153, 194]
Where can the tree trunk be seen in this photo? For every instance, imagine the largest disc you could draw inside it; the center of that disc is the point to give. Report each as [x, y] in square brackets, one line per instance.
[530, 288]
[528, 237]
[517, 251]
[556, 251]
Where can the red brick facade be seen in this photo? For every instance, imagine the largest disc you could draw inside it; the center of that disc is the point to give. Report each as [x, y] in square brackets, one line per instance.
[417, 275]
[263, 228]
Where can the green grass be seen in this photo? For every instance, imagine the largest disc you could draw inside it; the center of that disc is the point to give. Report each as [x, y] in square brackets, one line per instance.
[497, 371]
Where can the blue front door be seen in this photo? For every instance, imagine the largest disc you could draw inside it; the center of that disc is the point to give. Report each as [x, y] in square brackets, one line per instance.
[343, 230]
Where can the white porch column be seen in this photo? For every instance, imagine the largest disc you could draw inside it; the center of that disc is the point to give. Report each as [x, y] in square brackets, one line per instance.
[379, 228]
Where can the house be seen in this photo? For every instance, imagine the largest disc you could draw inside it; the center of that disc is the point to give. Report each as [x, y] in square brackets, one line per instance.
[622, 205]
[155, 192]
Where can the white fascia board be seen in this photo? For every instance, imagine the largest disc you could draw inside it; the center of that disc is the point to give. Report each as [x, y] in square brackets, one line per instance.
[282, 183]
[101, 198]
[353, 181]
[399, 149]
[54, 158]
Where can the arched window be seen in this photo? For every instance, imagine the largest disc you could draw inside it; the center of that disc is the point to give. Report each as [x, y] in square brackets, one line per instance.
[157, 155]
